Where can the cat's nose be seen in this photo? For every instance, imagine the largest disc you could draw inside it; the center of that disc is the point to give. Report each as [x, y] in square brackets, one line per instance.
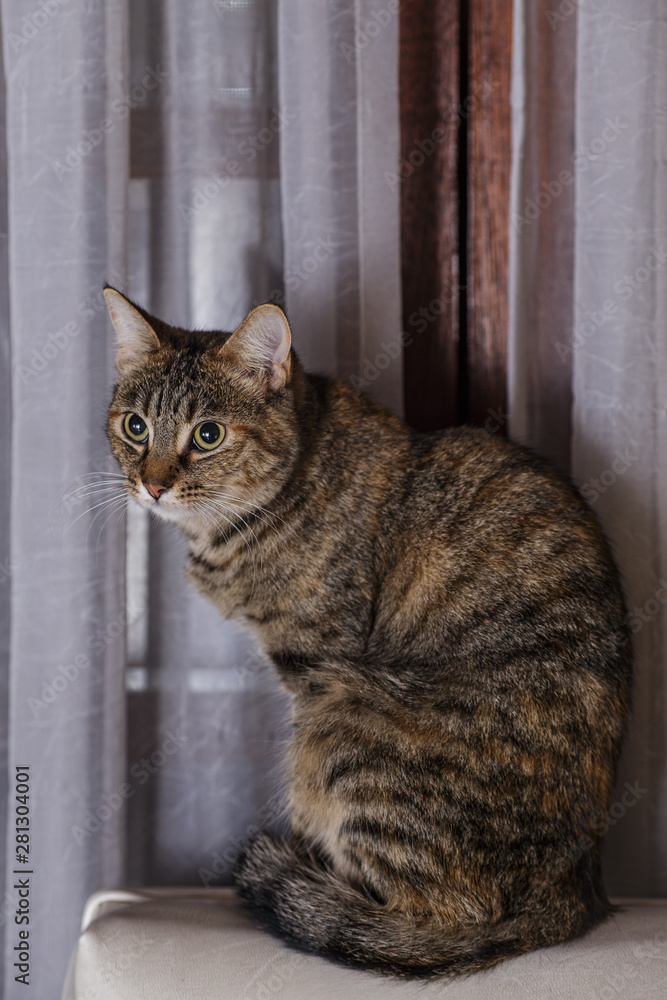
[156, 489]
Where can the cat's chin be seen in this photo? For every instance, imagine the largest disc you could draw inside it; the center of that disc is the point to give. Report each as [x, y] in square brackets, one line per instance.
[176, 515]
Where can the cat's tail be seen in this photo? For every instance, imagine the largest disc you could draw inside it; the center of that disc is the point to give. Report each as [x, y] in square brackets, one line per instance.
[309, 905]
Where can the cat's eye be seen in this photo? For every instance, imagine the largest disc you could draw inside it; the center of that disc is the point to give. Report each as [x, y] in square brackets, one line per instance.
[208, 435]
[135, 428]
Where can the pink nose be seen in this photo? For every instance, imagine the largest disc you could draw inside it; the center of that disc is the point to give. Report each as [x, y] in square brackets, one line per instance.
[156, 489]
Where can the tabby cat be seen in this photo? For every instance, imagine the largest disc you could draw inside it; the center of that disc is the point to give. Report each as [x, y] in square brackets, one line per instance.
[448, 619]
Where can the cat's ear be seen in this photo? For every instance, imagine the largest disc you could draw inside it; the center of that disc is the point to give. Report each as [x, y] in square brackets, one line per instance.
[136, 337]
[261, 344]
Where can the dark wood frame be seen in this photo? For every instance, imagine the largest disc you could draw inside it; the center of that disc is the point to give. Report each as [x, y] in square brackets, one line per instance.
[455, 68]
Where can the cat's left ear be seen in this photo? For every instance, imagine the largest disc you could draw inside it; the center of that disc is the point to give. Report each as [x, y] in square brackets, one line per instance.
[261, 344]
[136, 337]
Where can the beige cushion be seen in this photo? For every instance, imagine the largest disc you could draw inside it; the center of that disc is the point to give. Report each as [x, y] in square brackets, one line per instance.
[171, 944]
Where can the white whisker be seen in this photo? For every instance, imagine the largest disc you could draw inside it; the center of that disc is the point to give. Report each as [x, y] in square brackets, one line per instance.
[120, 505]
[216, 511]
[105, 481]
[243, 505]
[88, 491]
[95, 506]
[243, 500]
[217, 504]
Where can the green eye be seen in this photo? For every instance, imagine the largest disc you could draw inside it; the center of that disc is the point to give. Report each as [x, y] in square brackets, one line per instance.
[208, 436]
[135, 428]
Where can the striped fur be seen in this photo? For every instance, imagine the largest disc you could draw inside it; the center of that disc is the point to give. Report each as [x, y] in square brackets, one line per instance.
[445, 612]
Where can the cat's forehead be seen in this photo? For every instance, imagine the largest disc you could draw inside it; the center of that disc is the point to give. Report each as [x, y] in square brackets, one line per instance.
[182, 385]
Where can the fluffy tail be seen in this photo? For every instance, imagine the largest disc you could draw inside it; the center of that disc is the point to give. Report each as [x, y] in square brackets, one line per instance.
[307, 904]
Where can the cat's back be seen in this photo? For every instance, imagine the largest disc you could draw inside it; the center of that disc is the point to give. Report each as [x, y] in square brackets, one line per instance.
[493, 555]
[478, 475]
[485, 496]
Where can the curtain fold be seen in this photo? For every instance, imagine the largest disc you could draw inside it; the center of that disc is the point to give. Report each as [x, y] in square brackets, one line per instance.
[619, 360]
[338, 85]
[269, 185]
[544, 171]
[205, 711]
[67, 168]
[205, 158]
[588, 380]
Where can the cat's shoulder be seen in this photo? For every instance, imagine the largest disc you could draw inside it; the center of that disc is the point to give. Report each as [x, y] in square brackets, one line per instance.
[470, 461]
[465, 446]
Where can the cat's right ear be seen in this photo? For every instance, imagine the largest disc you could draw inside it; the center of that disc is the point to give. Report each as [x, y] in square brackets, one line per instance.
[136, 338]
[262, 345]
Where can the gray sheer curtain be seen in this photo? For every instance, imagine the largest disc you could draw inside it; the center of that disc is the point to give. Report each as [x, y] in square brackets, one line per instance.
[62, 584]
[605, 195]
[202, 158]
[338, 92]
[260, 191]
[207, 196]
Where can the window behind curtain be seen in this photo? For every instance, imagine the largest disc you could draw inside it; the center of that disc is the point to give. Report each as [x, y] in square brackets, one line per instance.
[205, 246]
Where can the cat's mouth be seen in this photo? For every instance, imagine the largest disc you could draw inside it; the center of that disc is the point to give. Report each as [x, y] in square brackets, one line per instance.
[193, 506]
[161, 501]
[171, 505]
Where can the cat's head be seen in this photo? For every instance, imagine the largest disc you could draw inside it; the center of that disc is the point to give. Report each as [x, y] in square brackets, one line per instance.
[203, 423]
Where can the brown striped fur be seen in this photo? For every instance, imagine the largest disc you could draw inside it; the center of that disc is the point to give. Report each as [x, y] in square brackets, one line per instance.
[445, 612]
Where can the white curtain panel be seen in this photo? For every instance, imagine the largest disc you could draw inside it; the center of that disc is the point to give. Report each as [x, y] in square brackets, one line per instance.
[614, 342]
[338, 73]
[620, 376]
[67, 171]
[207, 247]
[270, 184]
[203, 158]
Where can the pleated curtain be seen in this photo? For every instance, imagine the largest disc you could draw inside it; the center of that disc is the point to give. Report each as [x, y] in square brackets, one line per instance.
[67, 164]
[170, 150]
[589, 335]
[203, 158]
